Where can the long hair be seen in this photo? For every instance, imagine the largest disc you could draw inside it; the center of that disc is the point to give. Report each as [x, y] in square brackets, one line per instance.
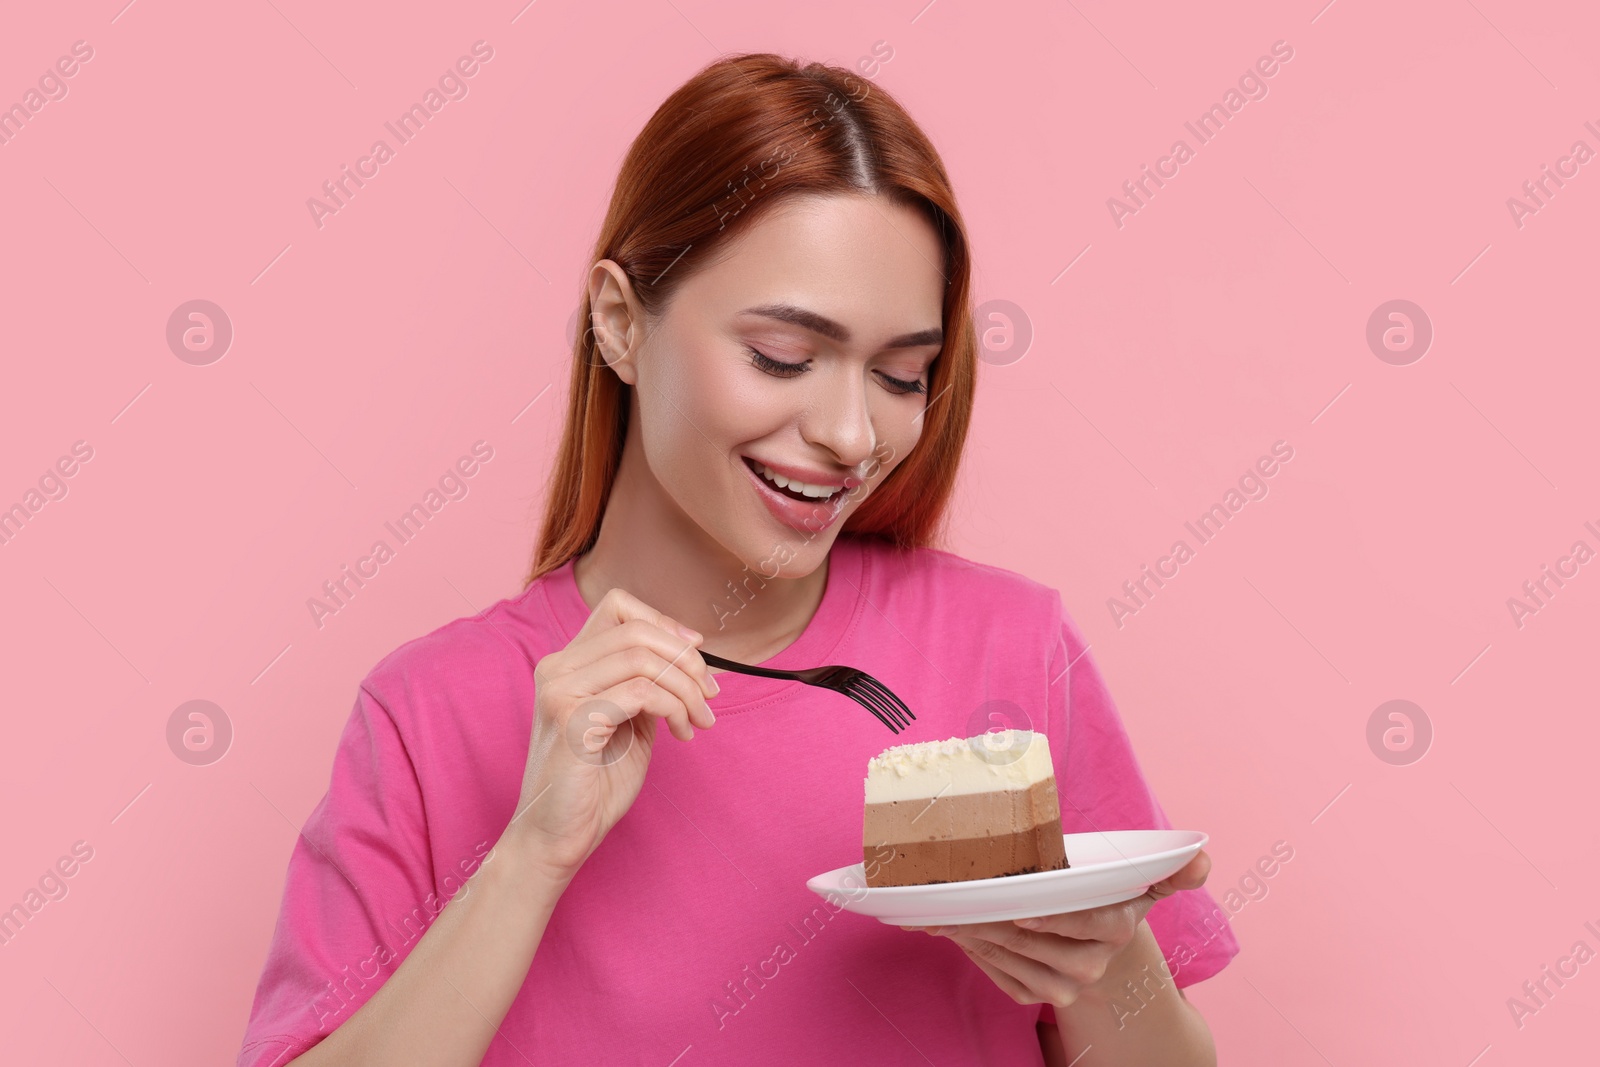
[741, 136]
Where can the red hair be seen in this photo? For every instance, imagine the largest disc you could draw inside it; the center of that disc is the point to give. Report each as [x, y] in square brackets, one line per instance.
[741, 136]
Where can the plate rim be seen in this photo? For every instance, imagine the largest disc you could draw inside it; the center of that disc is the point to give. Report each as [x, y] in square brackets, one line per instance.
[968, 885]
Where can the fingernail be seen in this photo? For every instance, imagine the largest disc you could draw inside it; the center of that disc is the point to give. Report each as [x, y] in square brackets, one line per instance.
[1032, 924]
[692, 635]
[711, 716]
[939, 930]
[715, 688]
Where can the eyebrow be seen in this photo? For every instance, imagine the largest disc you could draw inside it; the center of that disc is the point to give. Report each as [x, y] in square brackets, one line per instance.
[834, 331]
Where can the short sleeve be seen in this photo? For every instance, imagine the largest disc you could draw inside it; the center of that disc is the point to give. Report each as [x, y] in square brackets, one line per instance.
[358, 895]
[1102, 788]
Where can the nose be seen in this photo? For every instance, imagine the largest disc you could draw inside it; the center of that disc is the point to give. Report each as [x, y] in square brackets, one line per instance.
[837, 416]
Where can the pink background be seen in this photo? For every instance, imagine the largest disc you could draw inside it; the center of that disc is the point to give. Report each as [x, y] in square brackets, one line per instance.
[1228, 313]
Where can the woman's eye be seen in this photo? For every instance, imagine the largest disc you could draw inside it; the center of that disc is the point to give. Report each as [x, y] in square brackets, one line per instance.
[901, 386]
[790, 370]
[775, 366]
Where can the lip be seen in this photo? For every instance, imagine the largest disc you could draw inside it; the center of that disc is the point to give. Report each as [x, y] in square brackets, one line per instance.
[810, 517]
[809, 477]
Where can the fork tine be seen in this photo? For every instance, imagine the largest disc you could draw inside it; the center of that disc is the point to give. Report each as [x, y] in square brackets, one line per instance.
[861, 689]
[869, 701]
[902, 713]
[864, 693]
[905, 712]
[840, 681]
[880, 716]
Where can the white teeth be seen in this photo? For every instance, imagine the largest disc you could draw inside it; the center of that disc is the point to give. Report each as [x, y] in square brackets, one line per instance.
[815, 492]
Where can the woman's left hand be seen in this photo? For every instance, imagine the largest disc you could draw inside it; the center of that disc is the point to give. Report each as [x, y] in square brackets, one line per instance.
[1054, 958]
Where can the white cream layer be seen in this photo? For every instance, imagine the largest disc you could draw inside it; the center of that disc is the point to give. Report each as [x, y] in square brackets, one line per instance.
[1003, 759]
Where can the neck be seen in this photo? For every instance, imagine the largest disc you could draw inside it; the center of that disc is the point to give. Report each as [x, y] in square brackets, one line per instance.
[648, 547]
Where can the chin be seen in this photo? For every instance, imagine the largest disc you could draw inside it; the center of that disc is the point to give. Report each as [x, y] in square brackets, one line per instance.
[774, 556]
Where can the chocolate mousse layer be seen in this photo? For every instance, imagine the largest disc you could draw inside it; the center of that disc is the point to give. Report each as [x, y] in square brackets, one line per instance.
[963, 837]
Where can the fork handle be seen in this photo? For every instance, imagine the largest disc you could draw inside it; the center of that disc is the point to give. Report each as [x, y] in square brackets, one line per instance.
[745, 668]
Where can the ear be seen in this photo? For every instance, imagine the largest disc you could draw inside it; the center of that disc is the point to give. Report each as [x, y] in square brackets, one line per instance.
[616, 319]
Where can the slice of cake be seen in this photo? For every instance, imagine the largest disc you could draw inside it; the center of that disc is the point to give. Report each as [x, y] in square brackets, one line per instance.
[963, 808]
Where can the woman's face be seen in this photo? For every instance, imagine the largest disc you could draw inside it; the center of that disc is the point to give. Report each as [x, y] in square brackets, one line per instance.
[843, 295]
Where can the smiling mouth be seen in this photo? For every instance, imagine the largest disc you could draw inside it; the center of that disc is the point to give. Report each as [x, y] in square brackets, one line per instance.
[793, 494]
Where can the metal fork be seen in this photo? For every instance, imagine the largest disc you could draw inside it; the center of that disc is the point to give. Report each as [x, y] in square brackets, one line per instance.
[856, 684]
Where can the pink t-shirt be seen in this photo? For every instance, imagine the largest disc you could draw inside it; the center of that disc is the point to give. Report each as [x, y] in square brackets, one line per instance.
[690, 931]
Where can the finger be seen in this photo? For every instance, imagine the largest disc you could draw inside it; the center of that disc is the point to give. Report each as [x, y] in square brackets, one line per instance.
[642, 632]
[1066, 955]
[637, 661]
[615, 712]
[638, 670]
[619, 606]
[1008, 985]
[1191, 876]
[1112, 922]
[991, 931]
[637, 697]
[1039, 981]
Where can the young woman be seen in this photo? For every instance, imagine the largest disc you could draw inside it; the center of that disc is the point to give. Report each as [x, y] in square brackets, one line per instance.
[763, 430]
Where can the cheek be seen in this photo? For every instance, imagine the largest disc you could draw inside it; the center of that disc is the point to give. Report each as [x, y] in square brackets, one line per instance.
[734, 406]
[897, 442]
[699, 415]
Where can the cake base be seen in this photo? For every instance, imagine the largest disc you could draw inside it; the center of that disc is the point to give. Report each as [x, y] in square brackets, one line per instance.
[940, 840]
[938, 862]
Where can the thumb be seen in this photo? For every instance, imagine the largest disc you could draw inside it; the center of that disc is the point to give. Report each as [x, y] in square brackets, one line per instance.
[1191, 875]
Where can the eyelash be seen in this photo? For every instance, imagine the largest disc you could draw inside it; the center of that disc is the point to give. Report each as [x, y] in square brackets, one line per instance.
[790, 370]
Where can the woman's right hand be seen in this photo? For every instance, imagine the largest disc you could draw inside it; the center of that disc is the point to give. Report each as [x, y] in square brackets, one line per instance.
[596, 707]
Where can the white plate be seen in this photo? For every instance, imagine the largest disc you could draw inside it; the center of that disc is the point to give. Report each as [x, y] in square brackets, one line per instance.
[1107, 867]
